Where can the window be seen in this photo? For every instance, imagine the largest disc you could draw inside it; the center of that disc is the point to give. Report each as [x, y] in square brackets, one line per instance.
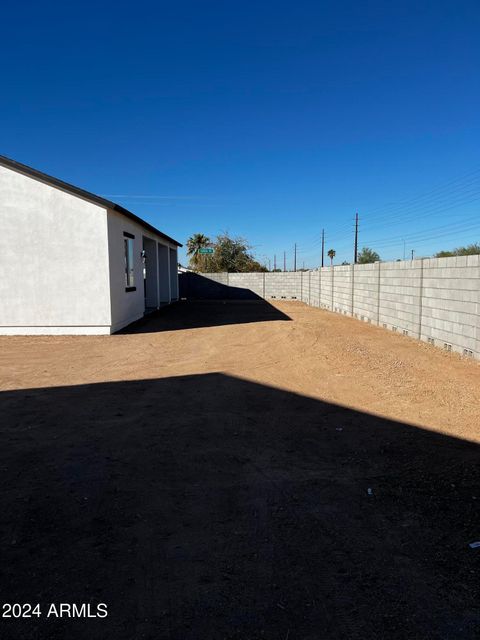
[129, 262]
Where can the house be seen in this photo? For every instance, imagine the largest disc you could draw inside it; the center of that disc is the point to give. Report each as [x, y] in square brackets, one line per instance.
[72, 262]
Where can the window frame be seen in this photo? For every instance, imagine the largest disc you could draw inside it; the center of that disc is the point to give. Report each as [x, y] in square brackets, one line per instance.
[129, 268]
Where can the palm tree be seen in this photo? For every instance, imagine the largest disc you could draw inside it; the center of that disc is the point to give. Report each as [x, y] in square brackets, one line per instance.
[196, 242]
[331, 254]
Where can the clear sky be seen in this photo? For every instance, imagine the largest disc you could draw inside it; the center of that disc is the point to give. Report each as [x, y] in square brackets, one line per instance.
[269, 120]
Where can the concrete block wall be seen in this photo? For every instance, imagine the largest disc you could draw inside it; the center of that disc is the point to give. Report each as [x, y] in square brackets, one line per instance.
[221, 278]
[315, 288]
[305, 285]
[451, 303]
[366, 301]
[436, 300]
[343, 290]
[283, 285]
[327, 281]
[400, 293]
[253, 281]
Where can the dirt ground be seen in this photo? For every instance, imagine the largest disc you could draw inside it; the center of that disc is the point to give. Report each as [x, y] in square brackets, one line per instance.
[240, 471]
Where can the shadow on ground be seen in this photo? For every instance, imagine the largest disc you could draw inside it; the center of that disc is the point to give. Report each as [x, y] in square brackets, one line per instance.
[193, 314]
[208, 507]
[194, 286]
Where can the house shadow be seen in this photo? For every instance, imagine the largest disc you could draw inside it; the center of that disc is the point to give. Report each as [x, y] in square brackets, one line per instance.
[194, 286]
[211, 507]
[193, 314]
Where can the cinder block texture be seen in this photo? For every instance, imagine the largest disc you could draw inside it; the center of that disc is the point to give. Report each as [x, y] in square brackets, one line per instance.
[251, 281]
[451, 303]
[400, 293]
[366, 292]
[284, 285]
[435, 299]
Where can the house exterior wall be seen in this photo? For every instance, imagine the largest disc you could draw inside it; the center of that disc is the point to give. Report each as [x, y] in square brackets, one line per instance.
[129, 306]
[53, 260]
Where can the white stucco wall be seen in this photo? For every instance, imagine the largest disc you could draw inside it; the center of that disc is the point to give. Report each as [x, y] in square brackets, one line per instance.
[54, 268]
[128, 306]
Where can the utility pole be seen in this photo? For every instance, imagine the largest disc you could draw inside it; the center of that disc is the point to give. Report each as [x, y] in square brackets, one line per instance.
[323, 245]
[284, 260]
[413, 253]
[295, 258]
[355, 251]
[274, 262]
[303, 269]
[269, 264]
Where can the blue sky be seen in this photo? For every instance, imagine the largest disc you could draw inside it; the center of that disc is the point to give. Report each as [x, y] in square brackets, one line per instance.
[269, 120]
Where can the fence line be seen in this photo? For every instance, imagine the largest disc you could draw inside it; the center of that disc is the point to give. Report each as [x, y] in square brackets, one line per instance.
[434, 299]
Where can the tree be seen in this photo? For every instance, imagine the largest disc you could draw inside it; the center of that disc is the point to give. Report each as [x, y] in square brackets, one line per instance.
[232, 255]
[367, 255]
[469, 250]
[331, 254]
[196, 242]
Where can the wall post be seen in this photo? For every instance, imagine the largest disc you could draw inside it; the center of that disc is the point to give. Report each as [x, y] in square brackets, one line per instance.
[420, 302]
[378, 296]
[320, 287]
[353, 284]
[333, 275]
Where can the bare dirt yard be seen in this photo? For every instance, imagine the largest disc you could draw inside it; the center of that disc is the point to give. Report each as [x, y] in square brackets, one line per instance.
[240, 471]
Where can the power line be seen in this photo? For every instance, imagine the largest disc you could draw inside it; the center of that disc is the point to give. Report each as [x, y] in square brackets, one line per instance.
[429, 237]
[446, 196]
[430, 208]
[451, 230]
[412, 208]
[440, 187]
[424, 231]
[371, 240]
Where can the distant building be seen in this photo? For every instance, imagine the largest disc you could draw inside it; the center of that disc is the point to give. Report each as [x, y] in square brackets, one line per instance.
[72, 262]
